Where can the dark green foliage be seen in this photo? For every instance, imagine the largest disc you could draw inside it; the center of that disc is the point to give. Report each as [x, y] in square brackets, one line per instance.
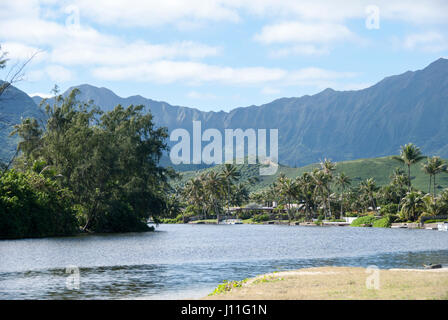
[391, 208]
[108, 161]
[34, 206]
[261, 217]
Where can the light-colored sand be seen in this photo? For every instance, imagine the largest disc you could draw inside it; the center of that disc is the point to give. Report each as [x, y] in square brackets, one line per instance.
[343, 283]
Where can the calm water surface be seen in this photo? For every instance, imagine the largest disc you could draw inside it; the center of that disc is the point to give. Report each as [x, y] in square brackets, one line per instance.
[188, 261]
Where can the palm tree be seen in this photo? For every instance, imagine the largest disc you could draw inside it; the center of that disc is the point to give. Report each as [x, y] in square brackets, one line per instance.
[305, 183]
[322, 188]
[229, 175]
[409, 154]
[288, 189]
[432, 167]
[368, 187]
[343, 181]
[214, 191]
[412, 205]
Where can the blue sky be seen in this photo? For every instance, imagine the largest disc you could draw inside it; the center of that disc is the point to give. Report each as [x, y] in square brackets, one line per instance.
[218, 55]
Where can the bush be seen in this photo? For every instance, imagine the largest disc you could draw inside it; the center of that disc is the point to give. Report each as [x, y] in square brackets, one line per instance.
[363, 221]
[260, 217]
[383, 222]
[34, 206]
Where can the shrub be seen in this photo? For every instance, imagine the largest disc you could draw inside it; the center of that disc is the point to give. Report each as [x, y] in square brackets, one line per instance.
[34, 206]
[260, 217]
[363, 221]
[383, 222]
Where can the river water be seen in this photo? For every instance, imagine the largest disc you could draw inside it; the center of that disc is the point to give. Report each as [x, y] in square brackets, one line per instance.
[188, 261]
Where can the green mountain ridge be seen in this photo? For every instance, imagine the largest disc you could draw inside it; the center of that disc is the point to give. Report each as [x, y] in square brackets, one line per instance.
[340, 125]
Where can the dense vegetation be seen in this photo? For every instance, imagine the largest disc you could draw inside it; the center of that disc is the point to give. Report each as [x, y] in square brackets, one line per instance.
[84, 170]
[34, 206]
[323, 193]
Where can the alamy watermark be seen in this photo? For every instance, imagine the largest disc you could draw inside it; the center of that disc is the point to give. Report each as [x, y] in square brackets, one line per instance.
[72, 282]
[373, 280]
[212, 153]
[373, 17]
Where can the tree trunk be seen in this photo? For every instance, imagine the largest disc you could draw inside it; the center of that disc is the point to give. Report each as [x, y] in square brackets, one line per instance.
[434, 185]
[409, 177]
[430, 181]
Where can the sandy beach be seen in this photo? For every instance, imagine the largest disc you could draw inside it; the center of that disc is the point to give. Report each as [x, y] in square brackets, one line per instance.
[342, 283]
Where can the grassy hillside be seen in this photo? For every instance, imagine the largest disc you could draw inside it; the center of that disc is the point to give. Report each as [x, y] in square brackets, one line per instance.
[358, 170]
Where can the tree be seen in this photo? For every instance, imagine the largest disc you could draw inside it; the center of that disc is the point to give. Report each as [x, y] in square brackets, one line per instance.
[322, 189]
[433, 167]
[409, 155]
[288, 190]
[229, 175]
[214, 188]
[109, 161]
[368, 187]
[343, 181]
[412, 206]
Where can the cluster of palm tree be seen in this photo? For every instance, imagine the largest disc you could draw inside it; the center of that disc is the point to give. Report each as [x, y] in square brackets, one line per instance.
[324, 193]
[212, 191]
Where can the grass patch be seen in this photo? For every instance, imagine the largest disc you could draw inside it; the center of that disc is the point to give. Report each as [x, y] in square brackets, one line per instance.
[227, 286]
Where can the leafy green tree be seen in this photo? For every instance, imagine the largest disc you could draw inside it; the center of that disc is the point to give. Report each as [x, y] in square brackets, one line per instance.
[109, 161]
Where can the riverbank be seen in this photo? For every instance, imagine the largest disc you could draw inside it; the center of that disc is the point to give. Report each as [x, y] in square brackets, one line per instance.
[325, 283]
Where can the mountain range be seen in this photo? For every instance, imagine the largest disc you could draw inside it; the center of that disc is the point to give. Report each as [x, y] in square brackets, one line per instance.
[339, 125]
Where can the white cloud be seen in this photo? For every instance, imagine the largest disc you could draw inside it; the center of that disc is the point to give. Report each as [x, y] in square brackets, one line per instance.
[85, 46]
[58, 73]
[302, 49]
[195, 73]
[155, 12]
[427, 41]
[166, 71]
[20, 51]
[55, 73]
[42, 95]
[121, 53]
[298, 32]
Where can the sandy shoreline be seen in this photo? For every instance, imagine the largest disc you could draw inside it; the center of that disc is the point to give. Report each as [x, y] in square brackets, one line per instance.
[342, 283]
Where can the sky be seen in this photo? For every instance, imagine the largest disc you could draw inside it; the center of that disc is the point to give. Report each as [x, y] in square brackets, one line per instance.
[218, 55]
